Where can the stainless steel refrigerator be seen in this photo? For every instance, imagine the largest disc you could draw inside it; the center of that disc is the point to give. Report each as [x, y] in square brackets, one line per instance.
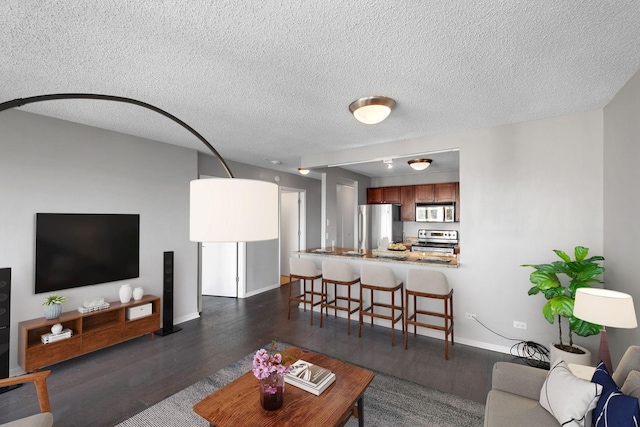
[375, 222]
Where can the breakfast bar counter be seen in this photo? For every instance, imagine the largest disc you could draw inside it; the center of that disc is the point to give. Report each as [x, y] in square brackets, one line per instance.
[396, 257]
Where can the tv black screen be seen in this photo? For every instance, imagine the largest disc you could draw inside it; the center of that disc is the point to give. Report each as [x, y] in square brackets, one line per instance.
[75, 250]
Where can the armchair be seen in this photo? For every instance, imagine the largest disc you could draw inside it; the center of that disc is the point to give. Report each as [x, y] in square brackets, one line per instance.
[45, 418]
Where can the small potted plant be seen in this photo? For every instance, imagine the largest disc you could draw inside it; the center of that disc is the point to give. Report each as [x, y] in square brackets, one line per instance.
[53, 306]
[580, 273]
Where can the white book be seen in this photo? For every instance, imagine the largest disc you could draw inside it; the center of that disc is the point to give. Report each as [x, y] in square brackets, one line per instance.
[309, 377]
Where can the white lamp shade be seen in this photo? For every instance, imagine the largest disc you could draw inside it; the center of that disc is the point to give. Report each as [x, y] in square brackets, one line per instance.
[233, 210]
[605, 307]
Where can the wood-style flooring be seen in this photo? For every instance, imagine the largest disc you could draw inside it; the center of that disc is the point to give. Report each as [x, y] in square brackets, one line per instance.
[110, 385]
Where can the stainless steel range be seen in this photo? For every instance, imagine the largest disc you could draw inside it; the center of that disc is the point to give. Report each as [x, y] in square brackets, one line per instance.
[436, 241]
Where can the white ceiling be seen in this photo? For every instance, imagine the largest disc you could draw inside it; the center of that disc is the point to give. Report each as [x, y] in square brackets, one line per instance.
[272, 79]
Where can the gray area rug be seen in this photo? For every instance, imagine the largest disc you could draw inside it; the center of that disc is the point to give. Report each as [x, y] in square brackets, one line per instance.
[388, 401]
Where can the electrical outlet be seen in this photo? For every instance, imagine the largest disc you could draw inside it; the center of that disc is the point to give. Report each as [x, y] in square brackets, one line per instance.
[519, 325]
[470, 316]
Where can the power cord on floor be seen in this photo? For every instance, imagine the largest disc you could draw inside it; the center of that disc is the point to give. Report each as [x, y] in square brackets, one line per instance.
[532, 353]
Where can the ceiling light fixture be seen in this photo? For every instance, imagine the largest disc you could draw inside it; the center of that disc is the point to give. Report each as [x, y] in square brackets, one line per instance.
[303, 171]
[372, 110]
[221, 210]
[419, 164]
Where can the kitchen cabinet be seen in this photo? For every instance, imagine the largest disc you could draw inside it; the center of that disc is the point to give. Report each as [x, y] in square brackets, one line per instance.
[409, 195]
[383, 195]
[425, 193]
[445, 192]
[408, 203]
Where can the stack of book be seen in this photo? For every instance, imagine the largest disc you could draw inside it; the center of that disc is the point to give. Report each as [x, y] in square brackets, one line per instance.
[309, 377]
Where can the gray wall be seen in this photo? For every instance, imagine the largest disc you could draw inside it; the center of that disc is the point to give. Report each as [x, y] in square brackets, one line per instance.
[525, 189]
[622, 203]
[50, 165]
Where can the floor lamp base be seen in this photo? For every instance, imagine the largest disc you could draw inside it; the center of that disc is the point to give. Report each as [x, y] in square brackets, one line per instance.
[603, 351]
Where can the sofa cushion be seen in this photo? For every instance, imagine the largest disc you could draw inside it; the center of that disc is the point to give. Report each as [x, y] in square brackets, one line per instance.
[631, 386]
[568, 398]
[507, 410]
[614, 407]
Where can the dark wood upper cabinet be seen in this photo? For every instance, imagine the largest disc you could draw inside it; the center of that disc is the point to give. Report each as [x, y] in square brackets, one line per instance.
[445, 192]
[391, 195]
[425, 193]
[374, 195]
[408, 208]
[383, 195]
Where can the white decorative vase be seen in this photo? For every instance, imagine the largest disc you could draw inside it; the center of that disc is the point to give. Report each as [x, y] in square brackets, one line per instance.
[56, 329]
[578, 359]
[138, 293]
[125, 293]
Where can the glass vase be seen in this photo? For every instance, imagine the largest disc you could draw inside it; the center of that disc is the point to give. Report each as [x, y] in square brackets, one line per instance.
[272, 392]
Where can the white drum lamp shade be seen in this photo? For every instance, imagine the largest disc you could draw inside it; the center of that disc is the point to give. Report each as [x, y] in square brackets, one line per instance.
[605, 307]
[233, 210]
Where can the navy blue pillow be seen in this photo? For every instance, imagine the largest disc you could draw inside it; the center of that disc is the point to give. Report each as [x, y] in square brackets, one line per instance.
[614, 408]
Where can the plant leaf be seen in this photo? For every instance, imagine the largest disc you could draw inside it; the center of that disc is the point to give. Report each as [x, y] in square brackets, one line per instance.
[562, 255]
[581, 253]
[544, 280]
[561, 306]
[583, 328]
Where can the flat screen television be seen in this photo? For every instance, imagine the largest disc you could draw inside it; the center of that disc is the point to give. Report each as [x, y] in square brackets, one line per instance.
[75, 250]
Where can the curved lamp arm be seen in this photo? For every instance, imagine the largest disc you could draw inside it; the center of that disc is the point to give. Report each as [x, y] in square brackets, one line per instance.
[33, 99]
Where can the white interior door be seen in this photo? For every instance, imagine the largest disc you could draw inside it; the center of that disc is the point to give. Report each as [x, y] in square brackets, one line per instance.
[346, 208]
[219, 269]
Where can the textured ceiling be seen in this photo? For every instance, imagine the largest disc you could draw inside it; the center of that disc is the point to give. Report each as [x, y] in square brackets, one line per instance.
[273, 79]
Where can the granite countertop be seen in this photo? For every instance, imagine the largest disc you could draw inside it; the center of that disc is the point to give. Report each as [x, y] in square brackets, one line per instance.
[415, 258]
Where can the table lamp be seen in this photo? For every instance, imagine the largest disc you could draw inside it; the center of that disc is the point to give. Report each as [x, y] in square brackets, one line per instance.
[607, 308]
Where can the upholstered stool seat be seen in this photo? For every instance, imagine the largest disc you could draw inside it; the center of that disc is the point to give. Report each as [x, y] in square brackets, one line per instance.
[338, 274]
[382, 280]
[305, 271]
[431, 285]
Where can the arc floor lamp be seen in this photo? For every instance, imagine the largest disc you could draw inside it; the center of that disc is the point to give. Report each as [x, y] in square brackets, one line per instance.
[221, 210]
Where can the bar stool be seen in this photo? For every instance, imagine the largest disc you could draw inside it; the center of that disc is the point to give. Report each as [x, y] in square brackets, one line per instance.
[429, 284]
[382, 279]
[338, 274]
[304, 270]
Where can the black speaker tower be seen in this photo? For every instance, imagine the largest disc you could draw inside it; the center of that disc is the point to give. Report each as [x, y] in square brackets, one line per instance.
[167, 297]
[5, 320]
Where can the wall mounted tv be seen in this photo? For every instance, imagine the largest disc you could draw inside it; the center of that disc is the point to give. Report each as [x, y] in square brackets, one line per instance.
[75, 250]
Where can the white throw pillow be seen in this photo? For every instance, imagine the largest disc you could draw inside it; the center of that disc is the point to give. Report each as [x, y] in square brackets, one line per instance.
[567, 397]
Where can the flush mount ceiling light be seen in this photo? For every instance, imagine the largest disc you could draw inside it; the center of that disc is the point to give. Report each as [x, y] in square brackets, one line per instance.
[419, 164]
[303, 171]
[372, 110]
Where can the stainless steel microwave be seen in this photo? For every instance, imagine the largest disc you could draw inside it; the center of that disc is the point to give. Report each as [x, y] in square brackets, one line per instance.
[435, 213]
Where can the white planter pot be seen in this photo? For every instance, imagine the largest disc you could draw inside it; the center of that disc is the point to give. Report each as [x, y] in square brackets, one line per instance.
[579, 359]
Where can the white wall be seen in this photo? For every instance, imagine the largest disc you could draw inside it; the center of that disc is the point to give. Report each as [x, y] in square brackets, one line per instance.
[622, 204]
[50, 165]
[525, 189]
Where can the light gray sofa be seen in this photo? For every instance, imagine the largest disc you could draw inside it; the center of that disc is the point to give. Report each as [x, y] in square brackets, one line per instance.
[515, 393]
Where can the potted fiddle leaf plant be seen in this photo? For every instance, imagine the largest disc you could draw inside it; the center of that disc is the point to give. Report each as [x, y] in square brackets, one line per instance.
[580, 273]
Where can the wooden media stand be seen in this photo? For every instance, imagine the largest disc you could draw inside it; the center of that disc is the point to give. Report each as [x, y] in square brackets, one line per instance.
[91, 331]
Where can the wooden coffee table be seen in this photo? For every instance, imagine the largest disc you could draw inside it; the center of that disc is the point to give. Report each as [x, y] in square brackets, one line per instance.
[238, 403]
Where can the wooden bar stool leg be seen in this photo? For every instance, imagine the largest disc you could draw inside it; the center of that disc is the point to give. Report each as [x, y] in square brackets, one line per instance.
[360, 314]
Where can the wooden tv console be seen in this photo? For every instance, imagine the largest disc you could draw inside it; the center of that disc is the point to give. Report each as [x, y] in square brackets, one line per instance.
[91, 331]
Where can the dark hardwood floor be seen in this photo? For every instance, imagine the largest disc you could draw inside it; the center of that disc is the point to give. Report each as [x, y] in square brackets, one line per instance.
[108, 386]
